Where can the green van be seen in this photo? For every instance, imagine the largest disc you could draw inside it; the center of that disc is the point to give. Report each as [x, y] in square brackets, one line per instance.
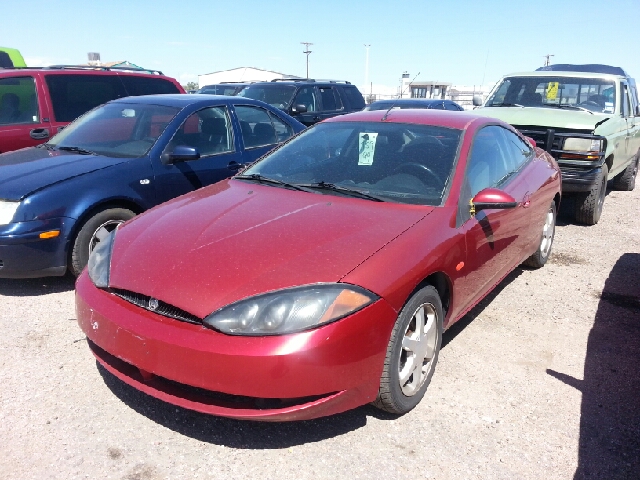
[10, 57]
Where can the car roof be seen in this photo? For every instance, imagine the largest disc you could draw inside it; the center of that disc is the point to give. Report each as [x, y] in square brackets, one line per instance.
[417, 101]
[84, 70]
[181, 99]
[458, 119]
[558, 73]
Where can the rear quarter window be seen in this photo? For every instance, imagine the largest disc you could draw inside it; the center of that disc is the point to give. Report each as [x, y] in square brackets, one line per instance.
[354, 97]
[147, 85]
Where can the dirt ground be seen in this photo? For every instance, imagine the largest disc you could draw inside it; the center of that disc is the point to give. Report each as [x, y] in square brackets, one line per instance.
[539, 381]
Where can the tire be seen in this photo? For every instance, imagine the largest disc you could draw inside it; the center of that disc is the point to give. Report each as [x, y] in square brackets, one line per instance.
[102, 222]
[626, 181]
[589, 205]
[539, 258]
[401, 389]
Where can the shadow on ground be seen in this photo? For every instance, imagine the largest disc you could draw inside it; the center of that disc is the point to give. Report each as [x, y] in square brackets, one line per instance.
[33, 287]
[238, 433]
[610, 413]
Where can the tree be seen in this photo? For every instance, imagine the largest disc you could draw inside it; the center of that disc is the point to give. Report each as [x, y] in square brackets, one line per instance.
[190, 86]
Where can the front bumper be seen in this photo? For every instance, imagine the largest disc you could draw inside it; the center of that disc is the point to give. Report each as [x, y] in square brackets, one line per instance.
[279, 378]
[575, 179]
[23, 254]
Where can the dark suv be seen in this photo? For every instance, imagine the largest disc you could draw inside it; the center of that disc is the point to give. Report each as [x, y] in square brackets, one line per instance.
[36, 103]
[308, 101]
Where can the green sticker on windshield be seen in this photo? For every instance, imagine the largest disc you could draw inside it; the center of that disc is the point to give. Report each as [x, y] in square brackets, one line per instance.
[552, 90]
[367, 147]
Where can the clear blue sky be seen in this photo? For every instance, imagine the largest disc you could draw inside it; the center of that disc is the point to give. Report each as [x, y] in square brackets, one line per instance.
[453, 41]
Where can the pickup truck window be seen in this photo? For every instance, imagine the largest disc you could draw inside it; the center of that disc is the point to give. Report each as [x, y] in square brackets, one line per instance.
[593, 94]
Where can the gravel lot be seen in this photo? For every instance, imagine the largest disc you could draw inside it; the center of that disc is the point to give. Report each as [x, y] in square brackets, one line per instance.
[539, 381]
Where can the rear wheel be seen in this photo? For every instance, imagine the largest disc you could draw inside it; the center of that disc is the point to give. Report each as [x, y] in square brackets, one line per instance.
[626, 181]
[589, 205]
[92, 232]
[412, 353]
[539, 258]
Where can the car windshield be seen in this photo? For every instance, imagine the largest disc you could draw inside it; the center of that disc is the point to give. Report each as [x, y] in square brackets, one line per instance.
[278, 96]
[593, 94]
[394, 162]
[126, 130]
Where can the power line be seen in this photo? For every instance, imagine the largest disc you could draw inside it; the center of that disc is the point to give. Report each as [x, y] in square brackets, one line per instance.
[307, 52]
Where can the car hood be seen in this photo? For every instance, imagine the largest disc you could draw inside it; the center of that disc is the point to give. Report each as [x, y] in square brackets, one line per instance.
[236, 239]
[547, 117]
[25, 171]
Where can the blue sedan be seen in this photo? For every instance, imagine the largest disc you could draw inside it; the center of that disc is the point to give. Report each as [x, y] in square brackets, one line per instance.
[59, 199]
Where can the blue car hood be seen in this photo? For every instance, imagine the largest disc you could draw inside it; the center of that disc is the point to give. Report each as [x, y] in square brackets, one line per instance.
[25, 171]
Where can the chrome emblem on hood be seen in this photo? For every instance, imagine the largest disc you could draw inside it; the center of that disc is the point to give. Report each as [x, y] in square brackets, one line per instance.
[153, 304]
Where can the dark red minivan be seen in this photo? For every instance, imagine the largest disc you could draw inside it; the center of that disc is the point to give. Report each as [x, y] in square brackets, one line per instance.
[36, 103]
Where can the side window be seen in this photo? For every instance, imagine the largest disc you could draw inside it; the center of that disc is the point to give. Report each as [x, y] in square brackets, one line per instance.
[74, 95]
[307, 96]
[209, 130]
[517, 151]
[18, 101]
[135, 85]
[330, 99]
[356, 102]
[451, 106]
[283, 131]
[256, 126]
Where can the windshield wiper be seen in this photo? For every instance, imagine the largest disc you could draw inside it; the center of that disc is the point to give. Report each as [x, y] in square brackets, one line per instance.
[346, 190]
[81, 151]
[273, 181]
[48, 146]
[572, 107]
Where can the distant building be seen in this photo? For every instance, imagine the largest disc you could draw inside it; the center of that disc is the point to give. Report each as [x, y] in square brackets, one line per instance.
[463, 94]
[240, 74]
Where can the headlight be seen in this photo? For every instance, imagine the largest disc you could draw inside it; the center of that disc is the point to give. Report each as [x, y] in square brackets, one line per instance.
[582, 145]
[291, 310]
[7, 211]
[99, 266]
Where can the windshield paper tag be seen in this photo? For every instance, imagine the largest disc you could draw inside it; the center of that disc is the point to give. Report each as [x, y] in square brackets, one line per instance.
[552, 90]
[367, 148]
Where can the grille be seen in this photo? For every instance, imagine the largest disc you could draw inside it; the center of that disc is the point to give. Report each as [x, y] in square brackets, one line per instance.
[164, 309]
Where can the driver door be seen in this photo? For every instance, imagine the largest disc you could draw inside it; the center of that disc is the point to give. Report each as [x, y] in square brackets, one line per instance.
[210, 131]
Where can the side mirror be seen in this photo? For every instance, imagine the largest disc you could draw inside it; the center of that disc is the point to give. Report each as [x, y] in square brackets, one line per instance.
[181, 153]
[491, 198]
[531, 141]
[300, 108]
[477, 100]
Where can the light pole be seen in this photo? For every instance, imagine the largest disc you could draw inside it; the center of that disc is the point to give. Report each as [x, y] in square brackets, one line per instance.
[366, 68]
[547, 61]
[307, 52]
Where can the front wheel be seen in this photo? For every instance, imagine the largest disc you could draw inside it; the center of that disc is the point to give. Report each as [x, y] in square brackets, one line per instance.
[92, 232]
[412, 353]
[539, 258]
[589, 205]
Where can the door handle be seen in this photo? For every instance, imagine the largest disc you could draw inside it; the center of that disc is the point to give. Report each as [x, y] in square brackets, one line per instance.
[39, 133]
[235, 165]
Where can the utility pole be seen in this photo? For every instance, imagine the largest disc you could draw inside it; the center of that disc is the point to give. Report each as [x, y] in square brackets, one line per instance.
[547, 61]
[366, 67]
[307, 52]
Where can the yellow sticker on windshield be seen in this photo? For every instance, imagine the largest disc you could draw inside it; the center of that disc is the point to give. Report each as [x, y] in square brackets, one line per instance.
[552, 90]
[367, 147]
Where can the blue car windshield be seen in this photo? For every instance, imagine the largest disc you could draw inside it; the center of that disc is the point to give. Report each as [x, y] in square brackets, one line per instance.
[119, 129]
[394, 162]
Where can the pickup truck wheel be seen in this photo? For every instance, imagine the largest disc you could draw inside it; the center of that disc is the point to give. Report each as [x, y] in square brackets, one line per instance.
[626, 181]
[412, 353]
[94, 230]
[539, 258]
[589, 205]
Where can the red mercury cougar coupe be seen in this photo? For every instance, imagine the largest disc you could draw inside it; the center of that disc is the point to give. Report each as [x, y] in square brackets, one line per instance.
[322, 277]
